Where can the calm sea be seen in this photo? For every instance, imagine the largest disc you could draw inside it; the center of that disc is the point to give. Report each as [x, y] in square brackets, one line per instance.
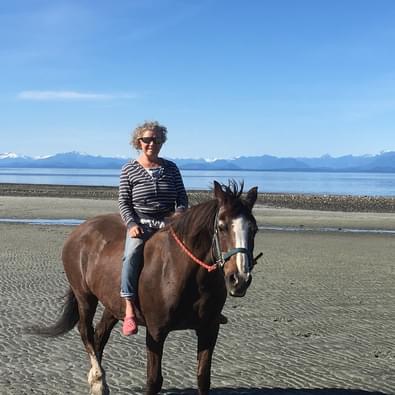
[365, 184]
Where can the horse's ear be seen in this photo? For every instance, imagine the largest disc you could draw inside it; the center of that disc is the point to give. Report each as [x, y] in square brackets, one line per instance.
[251, 197]
[219, 192]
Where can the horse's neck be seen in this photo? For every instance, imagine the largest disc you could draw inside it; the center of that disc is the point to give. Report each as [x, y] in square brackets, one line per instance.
[201, 228]
[200, 244]
[193, 230]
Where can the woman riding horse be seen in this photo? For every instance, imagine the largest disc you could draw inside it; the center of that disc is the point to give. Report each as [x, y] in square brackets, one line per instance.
[189, 265]
[150, 190]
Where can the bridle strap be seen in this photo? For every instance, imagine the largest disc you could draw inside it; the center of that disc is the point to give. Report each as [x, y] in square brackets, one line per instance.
[235, 251]
[208, 267]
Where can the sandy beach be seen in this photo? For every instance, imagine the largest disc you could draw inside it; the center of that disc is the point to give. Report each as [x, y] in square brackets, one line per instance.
[318, 318]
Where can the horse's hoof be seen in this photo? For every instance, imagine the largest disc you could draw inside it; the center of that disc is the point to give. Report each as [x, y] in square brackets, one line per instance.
[98, 389]
[95, 380]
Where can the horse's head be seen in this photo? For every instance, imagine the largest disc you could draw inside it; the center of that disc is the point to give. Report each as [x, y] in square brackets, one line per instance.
[236, 229]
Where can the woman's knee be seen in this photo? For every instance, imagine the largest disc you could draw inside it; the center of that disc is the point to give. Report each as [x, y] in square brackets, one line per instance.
[133, 246]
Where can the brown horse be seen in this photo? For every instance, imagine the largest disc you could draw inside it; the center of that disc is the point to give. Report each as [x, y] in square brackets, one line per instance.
[175, 292]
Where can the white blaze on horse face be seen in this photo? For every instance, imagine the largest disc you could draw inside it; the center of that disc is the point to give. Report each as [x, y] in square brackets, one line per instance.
[240, 228]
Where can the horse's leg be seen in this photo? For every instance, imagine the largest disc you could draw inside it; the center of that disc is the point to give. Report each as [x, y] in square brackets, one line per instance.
[154, 364]
[87, 307]
[207, 337]
[103, 331]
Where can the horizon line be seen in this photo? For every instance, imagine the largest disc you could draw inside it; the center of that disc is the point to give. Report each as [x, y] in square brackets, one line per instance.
[14, 155]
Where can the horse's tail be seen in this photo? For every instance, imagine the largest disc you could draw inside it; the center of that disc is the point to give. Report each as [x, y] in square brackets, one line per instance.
[65, 323]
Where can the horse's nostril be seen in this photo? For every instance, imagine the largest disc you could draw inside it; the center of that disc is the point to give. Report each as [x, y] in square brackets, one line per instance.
[233, 279]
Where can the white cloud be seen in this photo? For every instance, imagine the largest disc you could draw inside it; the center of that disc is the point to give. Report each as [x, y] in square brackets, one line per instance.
[71, 96]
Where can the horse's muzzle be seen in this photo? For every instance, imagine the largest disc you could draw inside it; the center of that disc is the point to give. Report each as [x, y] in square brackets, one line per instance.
[237, 283]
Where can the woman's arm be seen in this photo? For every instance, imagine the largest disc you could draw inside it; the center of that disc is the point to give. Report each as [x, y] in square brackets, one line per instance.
[182, 197]
[125, 199]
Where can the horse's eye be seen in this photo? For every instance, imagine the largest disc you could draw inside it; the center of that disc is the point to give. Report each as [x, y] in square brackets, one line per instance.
[222, 226]
[253, 228]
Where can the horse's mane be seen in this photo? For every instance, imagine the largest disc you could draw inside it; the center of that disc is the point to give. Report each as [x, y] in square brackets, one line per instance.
[197, 219]
[197, 223]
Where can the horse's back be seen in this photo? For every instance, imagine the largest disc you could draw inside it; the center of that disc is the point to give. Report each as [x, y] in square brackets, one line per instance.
[95, 232]
[109, 225]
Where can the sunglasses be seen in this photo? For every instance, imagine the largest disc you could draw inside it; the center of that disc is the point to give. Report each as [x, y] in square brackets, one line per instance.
[148, 140]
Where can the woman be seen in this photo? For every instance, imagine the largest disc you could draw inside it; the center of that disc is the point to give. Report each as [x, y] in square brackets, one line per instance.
[151, 189]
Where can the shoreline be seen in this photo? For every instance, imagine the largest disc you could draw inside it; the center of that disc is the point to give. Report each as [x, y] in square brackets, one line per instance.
[344, 203]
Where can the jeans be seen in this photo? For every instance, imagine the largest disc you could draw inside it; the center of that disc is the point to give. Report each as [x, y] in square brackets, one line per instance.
[132, 261]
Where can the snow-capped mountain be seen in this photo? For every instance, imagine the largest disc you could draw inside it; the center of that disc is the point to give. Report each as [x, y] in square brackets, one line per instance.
[9, 155]
[383, 162]
[71, 160]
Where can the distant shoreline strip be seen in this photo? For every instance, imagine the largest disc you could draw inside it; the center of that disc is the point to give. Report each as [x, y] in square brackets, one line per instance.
[345, 203]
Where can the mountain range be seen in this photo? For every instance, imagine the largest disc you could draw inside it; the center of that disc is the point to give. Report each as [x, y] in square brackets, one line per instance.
[383, 162]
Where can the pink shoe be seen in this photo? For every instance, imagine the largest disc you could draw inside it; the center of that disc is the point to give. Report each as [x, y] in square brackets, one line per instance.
[129, 326]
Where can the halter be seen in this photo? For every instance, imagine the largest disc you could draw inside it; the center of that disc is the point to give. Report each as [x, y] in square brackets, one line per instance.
[220, 257]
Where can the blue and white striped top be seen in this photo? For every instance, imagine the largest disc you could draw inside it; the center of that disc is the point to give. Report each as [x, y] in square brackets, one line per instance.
[150, 196]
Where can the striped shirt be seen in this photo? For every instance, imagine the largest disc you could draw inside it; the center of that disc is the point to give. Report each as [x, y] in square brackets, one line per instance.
[150, 196]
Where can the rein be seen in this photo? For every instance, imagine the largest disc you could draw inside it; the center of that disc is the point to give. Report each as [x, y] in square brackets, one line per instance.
[209, 268]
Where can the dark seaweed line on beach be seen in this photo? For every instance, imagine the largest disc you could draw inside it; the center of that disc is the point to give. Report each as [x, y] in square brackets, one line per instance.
[345, 203]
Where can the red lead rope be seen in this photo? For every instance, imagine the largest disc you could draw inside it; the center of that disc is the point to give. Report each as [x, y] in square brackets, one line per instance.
[210, 268]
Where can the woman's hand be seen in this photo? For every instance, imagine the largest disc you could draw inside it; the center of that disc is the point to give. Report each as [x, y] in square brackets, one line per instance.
[136, 231]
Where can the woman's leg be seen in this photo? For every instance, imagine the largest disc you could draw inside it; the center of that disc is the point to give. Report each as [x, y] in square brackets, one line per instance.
[131, 266]
[132, 261]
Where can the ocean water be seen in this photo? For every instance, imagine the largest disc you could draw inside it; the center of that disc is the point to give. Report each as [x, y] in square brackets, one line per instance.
[363, 184]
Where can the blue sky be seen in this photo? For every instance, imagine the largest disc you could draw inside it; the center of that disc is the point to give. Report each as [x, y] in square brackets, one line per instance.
[227, 77]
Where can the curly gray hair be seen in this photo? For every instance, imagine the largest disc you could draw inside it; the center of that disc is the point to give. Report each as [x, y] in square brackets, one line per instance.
[153, 126]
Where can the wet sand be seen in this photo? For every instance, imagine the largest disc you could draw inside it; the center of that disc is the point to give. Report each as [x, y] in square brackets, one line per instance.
[318, 318]
[83, 208]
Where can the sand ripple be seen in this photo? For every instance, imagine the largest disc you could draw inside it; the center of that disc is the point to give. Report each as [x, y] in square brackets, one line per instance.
[318, 319]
